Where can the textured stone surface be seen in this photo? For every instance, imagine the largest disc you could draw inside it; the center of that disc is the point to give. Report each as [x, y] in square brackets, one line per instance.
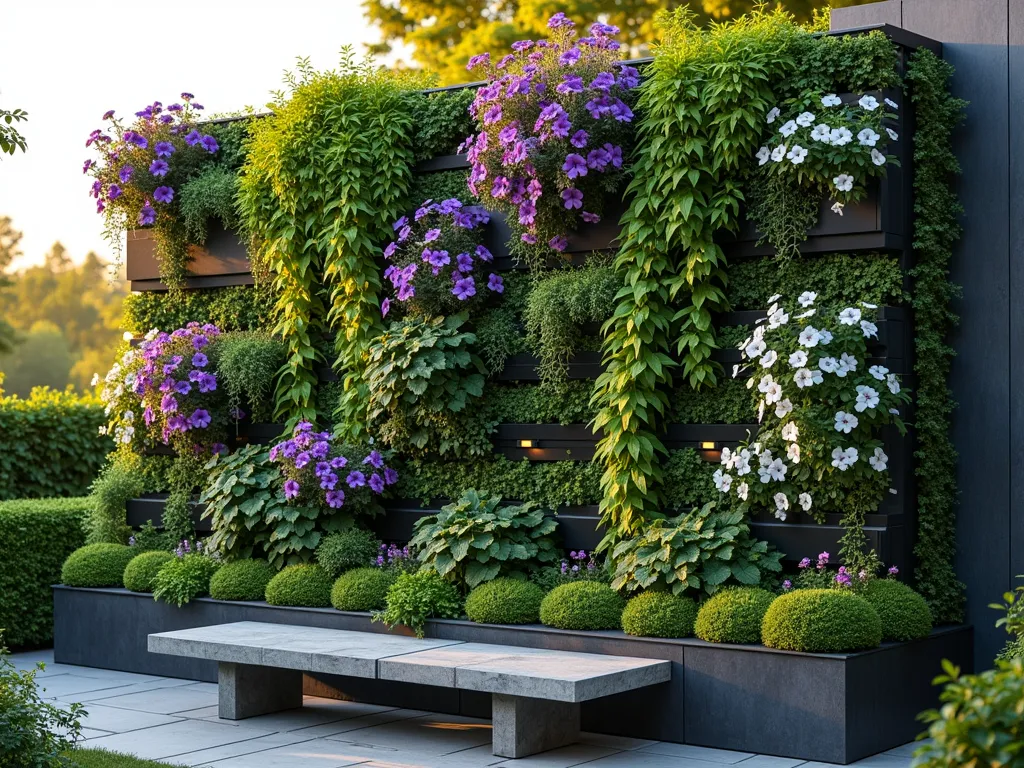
[524, 727]
[247, 691]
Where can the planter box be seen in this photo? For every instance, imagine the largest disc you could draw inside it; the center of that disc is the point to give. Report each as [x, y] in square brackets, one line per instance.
[224, 260]
[834, 708]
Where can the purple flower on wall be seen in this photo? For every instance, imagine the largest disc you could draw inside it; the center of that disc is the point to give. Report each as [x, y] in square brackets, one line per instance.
[573, 198]
[160, 168]
[193, 137]
[483, 254]
[147, 215]
[385, 306]
[559, 243]
[390, 476]
[125, 174]
[291, 489]
[492, 115]
[376, 483]
[164, 148]
[335, 499]
[328, 481]
[209, 144]
[495, 283]
[464, 288]
[355, 479]
[464, 262]
[199, 360]
[168, 404]
[163, 194]
[431, 235]
[113, 192]
[579, 139]
[590, 218]
[200, 418]
[574, 166]
[302, 459]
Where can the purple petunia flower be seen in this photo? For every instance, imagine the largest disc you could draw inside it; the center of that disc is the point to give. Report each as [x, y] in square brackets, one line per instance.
[400, 223]
[88, 164]
[208, 143]
[559, 243]
[302, 459]
[570, 57]
[603, 82]
[464, 262]
[199, 360]
[528, 237]
[500, 187]
[320, 449]
[291, 489]
[376, 483]
[108, 114]
[560, 20]
[573, 198]
[570, 84]
[113, 192]
[385, 306]
[787, 585]
[125, 173]
[355, 479]
[492, 115]
[893, 570]
[168, 404]
[200, 418]
[478, 60]
[464, 288]
[193, 137]
[177, 424]
[374, 459]
[182, 387]
[590, 218]
[338, 462]
[159, 168]
[431, 235]
[164, 149]
[137, 139]
[390, 476]
[335, 499]
[483, 254]
[390, 250]
[805, 563]
[199, 341]
[508, 134]
[522, 45]
[579, 139]
[495, 283]
[574, 166]
[328, 481]
[166, 120]
[322, 468]
[207, 382]
[163, 194]
[288, 449]
[147, 215]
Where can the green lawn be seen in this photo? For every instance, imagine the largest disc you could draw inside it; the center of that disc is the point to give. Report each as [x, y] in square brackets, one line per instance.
[101, 758]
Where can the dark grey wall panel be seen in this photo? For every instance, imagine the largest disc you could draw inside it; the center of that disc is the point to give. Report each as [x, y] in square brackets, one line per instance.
[885, 12]
[1016, 143]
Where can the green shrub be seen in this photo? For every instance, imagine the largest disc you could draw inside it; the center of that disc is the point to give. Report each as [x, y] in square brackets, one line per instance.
[236, 308]
[505, 601]
[476, 539]
[126, 475]
[140, 573]
[184, 578]
[346, 550]
[981, 722]
[363, 589]
[582, 605]
[247, 363]
[96, 565]
[36, 537]
[34, 733]
[442, 123]
[659, 614]
[702, 551]
[904, 613]
[242, 580]
[821, 621]
[50, 444]
[1012, 622]
[416, 597]
[733, 616]
[307, 586]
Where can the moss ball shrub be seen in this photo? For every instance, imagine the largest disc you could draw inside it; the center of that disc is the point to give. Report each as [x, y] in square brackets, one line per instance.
[97, 565]
[140, 573]
[346, 550]
[305, 586]
[242, 580]
[505, 601]
[659, 614]
[904, 613]
[582, 605]
[733, 615]
[362, 589]
[821, 621]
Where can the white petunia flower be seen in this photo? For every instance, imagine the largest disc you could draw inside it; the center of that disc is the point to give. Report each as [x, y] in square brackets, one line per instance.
[777, 470]
[722, 481]
[892, 103]
[826, 337]
[840, 136]
[816, 377]
[877, 157]
[735, 371]
[831, 100]
[763, 154]
[828, 364]
[741, 462]
[742, 490]
[773, 298]
[848, 362]
[126, 435]
[844, 459]
[103, 430]
[788, 128]
[777, 318]
[868, 138]
[773, 115]
[793, 453]
[809, 313]
[797, 154]
[783, 407]
[781, 505]
[867, 306]
[805, 502]
[768, 358]
[791, 432]
[806, 298]
[843, 182]
[892, 134]
[893, 383]
[846, 422]
[838, 208]
[773, 394]
[755, 349]
[779, 153]
[798, 359]
[849, 316]
[803, 378]
[894, 411]
[809, 336]
[822, 133]
[760, 411]
[866, 398]
[129, 416]
[759, 331]
[772, 309]
[878, 371]
[869, 329]
[879, 461]
[766, 381]
[727, 457]
[804, 119]
[870, 103]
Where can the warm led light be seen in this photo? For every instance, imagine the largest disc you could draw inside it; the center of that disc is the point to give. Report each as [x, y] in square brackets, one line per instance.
[707, 446]
[526, 443]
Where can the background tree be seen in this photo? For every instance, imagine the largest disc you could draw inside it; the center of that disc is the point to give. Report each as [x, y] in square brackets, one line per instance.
[10, 139]
[9, 239]
[443, 34]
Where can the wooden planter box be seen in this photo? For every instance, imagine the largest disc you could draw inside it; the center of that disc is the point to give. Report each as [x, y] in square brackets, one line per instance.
[224, 260]
[836, 708]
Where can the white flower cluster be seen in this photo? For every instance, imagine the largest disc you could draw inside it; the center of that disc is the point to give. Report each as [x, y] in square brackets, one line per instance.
[118, 395]
[838, 127]
[798, 368]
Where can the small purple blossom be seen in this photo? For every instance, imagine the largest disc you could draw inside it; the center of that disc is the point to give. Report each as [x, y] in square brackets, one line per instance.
[193, 137]
[291, 489]
[209, 144]
[495, 283]
[302, 459]
[574, 166]
[355, 479]
[335, 499]
[164, 149]
[464, 289]
[159, 168]
[893, 570]
[390, 476]
[200, 418]
[431, 235]
[163, 194]
[805, 563]
[376, 483]
[573, 198]
[590, 218]
[199, 360]
[559, 243]
[147, 216]
[385, 306]
[579, 139]
[787, 585]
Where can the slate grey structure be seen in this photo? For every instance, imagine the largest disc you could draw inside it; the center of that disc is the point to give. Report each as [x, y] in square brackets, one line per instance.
[984, 41]
[536, 693]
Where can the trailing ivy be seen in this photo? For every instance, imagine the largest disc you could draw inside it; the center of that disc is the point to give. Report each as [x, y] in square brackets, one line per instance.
[539, 404]
[728, 403]
[324, 177]
[211, 193]
[442, 122]
[703, 103]
[936, 231]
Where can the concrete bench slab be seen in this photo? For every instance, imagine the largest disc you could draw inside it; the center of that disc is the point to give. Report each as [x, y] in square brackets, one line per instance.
[536, 693]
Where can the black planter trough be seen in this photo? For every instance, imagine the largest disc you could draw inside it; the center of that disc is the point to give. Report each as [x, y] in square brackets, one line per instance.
[834, 708]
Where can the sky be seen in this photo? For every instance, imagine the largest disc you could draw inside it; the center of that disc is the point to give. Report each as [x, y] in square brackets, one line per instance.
[66, 63]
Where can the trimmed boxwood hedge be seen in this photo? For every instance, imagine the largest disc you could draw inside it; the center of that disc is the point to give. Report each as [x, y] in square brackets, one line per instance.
[505, 601]
[582, 605]
[733, 615]
[36, 537]
[659, 614]
[363, 589]
[305, 586]
[140, 573]
[821, 621]
[904, 613]
[97, 565]
[242, 580]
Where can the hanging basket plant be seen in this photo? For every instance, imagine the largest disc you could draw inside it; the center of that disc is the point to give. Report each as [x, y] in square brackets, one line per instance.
[139, 174]
[552, 119]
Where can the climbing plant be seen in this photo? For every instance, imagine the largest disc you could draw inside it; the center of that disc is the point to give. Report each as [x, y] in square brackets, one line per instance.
[936, 231]
[704, 104]
[325, 174]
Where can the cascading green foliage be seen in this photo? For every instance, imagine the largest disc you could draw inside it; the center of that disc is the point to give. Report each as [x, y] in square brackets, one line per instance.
[703, 103]
[324, 177]
[936, 231]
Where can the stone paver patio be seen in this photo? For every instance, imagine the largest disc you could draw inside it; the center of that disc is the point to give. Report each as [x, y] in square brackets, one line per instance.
[176, 721]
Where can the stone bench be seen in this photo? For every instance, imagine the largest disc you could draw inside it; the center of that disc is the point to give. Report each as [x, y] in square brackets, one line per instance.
[535, 693]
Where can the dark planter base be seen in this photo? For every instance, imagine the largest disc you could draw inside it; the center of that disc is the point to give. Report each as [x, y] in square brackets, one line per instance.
[829, 707]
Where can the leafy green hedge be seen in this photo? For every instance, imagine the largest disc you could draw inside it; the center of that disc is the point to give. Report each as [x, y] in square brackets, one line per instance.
[230, 309]
[36, 536]
[50, 444]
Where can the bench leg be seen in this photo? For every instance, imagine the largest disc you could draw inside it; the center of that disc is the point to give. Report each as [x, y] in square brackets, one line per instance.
[244, 690]
[523, 726]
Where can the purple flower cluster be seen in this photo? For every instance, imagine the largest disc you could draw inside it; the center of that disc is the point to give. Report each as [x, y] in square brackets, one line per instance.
[137, 161]
[177, 391]
[578, 561]
[319, 472]
[393, 556]
[551, 121]
[437, 256]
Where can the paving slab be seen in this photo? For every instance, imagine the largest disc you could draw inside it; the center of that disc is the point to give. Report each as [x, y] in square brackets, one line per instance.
[564, 757]
[166, 701]
[430, 736]
[315, 712]
[769, 761]
[105, 693]
[210, 756]
[318, 753]
[64, 686]
[621, 743]
[115, 720]
[174, 739]
[364, 721]
[721, 756]
[637, 759]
